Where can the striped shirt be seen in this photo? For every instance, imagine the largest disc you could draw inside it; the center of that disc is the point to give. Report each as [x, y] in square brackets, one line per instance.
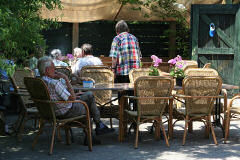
[125, 48]
[58, 92]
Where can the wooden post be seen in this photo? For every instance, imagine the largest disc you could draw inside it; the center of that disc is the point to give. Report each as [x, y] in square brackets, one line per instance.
[75, 35]
[172, 39]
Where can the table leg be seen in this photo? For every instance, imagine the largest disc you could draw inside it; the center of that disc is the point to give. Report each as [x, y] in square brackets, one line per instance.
[170, 126]
[122, 118]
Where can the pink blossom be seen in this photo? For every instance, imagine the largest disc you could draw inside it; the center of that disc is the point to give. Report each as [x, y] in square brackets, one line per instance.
[156, 60]
[179, 65]
[172, 61]
[70, 56]
[178, 58]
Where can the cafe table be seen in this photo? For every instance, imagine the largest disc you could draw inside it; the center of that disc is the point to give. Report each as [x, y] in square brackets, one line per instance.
[122, 89]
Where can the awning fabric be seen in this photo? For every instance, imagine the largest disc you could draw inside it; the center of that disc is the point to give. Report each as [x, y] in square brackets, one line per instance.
[77, 11]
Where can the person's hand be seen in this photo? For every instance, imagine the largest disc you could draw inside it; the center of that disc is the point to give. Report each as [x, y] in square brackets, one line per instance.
[59, 75]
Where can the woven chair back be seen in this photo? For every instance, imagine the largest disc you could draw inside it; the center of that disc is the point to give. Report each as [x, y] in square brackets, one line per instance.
[65, 70]
[201, 72]
[207, 65]
[201, 86]
[18, 76]
[138, 72]
[95, 67]
[101, 76]
[39, 93]
[152, 86]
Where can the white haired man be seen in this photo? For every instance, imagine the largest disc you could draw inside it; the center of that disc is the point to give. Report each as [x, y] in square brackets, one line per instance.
[61, 89]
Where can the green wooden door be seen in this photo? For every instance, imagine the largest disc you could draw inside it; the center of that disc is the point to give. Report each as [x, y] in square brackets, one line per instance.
[221, 50]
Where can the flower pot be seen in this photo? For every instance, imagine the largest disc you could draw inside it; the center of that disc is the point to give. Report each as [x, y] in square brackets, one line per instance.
[179, 81]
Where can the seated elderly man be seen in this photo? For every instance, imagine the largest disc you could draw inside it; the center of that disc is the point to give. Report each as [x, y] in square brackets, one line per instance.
[61, 89]
[88, 58]
[56, 55]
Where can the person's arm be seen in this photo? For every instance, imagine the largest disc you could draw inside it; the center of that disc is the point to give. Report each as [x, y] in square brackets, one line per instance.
[114, 62]
[59, 75]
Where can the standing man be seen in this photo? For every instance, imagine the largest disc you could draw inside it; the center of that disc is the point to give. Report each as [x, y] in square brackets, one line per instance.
[125, 52]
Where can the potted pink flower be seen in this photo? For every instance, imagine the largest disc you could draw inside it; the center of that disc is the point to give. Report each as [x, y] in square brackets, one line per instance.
[176, 71]
[154, 67]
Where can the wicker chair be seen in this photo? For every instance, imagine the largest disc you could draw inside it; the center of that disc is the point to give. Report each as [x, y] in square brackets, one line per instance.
[45, 107]
[152, 93]
[207, 65]
[103, 98]
[201, 72]
[189, 64]
[232, 113]
[200, 94]
[27, 110]
[138, 72]
[65, 70]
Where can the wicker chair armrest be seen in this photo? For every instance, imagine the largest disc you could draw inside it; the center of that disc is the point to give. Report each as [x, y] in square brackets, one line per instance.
[224, 93]
[186, 96]
[134, 97]
[237, 96]
[76, 101]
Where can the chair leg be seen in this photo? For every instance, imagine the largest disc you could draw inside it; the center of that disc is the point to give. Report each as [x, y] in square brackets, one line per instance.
[89, 134]
[21, 126]
[157, 129]
[227, 126]
[137, 132]
[164, 133]
[185, 130]
[207, 130]
[59, 137]
[212, 129]
[111, 123]
[41, 123]
[67, 133]
[52, 140]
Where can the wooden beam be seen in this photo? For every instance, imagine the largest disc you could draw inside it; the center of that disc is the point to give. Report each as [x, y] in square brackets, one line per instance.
[75, 35]
[172, 40]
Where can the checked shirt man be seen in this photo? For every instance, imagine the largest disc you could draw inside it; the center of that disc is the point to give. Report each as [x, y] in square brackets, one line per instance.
[125, 52]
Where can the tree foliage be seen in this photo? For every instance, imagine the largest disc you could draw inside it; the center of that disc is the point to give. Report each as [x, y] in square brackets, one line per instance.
[21, 26]
[166, 9]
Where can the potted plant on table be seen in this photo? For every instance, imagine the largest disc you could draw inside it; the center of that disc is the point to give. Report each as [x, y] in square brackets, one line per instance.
[154, 67]
[176, 71]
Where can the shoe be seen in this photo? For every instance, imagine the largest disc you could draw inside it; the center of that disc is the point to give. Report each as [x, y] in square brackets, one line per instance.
[103, 129]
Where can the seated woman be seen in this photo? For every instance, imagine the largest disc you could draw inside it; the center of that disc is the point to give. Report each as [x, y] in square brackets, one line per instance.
[77, 53]
[56, 55]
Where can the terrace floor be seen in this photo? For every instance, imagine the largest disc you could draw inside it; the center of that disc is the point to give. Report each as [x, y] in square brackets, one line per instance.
[196, 147]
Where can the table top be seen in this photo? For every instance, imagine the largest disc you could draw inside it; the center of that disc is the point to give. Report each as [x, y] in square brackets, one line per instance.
[130, 86]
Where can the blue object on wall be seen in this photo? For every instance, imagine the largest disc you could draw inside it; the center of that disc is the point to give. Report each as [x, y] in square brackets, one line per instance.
[211, 30]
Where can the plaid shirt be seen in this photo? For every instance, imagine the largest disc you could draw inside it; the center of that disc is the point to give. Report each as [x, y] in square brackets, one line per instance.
[58, 92]
[126, 49]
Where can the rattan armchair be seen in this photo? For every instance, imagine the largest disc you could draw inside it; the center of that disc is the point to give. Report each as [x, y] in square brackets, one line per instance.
[201, 72]
[200, 94]
[27, 109]
[207, 65]
[138, 72]
[104, 97]
[65, 70]
[46, 110]
[153, 94]
[232, 113]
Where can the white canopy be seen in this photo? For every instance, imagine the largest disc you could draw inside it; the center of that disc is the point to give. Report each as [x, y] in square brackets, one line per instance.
[76, 11]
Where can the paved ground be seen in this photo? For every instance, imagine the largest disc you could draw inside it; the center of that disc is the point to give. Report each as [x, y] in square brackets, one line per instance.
[197, 147]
